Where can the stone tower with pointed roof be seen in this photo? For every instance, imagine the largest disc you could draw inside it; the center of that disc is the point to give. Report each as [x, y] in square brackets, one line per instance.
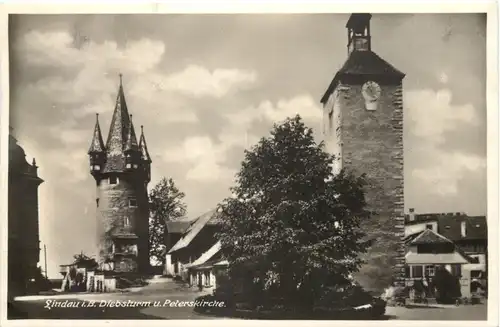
[363, 128]
[122, 171]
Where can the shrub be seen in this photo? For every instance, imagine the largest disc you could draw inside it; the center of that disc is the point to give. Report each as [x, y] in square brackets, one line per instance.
[447, 286]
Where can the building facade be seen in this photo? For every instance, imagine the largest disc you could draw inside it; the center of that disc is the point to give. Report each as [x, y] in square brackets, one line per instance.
[455, 241]
[122, 170]
[23, 221]
[363, 128]
[196, 257]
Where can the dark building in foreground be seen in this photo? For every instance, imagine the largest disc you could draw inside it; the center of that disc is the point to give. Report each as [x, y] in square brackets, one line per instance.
[24, 237]
[363, 128]
[121, 168]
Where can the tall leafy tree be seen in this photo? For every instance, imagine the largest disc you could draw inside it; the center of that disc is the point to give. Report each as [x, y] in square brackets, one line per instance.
[166, 204]
[292, 226]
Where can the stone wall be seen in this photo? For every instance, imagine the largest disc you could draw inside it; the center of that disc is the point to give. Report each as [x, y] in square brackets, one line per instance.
[372, 143]
[116, 216]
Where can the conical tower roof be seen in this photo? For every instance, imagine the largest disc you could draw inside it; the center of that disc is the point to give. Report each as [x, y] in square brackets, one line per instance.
[143, 147]
[118, 131]
[97, 144]
[131, 144]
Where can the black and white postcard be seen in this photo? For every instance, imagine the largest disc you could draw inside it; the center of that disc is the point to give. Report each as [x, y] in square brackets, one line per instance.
[250, 162]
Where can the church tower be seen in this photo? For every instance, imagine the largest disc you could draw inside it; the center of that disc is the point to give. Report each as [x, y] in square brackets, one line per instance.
[363, 128]
[122, 171]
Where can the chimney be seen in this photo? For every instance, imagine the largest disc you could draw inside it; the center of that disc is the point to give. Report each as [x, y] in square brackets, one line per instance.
[463, 229]
[412, 214]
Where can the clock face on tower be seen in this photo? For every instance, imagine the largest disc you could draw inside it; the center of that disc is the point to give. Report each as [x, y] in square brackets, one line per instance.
[371, 91]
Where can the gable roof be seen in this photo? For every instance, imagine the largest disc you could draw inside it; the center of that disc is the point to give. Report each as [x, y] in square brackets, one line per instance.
[209, 218]
[435, 258]
[362, 63]
[428, 236]
[210, 253]
[179, 226]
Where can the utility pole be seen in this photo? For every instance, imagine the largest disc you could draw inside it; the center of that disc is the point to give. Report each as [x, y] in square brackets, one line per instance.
[45, 255]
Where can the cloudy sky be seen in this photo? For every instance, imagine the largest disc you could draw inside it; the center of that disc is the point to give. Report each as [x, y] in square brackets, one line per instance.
[207, 86]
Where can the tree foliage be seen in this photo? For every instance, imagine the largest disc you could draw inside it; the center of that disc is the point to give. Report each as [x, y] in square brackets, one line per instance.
[292, 226]
[166, 204]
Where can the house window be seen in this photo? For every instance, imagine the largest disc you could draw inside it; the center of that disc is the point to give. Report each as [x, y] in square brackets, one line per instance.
[475, 274]
[113, 180]
[416, 271]
[126, 221]
[429, 271]
[132, 203]
[97, 202]
[474, 260]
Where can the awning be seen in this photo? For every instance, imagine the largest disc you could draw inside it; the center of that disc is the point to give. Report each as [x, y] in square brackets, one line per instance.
[433, 259]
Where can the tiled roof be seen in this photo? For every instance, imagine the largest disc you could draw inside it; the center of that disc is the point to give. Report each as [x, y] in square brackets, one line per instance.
[143, 147]
[195, 228]
[206, 255]
[178, 226]
[428, 236]
[117, 135]
[131, 144]
[121, 137]
[362, 63]
[476, 227]
[97, 144]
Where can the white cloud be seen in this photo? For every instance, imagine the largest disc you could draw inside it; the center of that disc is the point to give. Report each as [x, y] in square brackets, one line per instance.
[433, 114]
[304, 105]
[57, 48]
[204, 158]
[443, 78]
[198, 81]
[444, 172]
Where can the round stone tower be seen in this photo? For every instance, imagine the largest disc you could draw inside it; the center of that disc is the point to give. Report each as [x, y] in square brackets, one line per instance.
[122, 171]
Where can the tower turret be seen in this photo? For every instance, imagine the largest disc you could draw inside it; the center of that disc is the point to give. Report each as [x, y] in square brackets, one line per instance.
[97, 150]
[145, 157]
[358, 33]
[132, 151]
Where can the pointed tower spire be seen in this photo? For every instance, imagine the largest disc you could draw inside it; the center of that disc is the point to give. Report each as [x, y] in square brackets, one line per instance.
[131, 144]
[118, 131]
[143, 146]
[97, 145]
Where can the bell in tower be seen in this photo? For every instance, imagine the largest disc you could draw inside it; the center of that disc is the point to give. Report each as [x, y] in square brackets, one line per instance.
[358, 33]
